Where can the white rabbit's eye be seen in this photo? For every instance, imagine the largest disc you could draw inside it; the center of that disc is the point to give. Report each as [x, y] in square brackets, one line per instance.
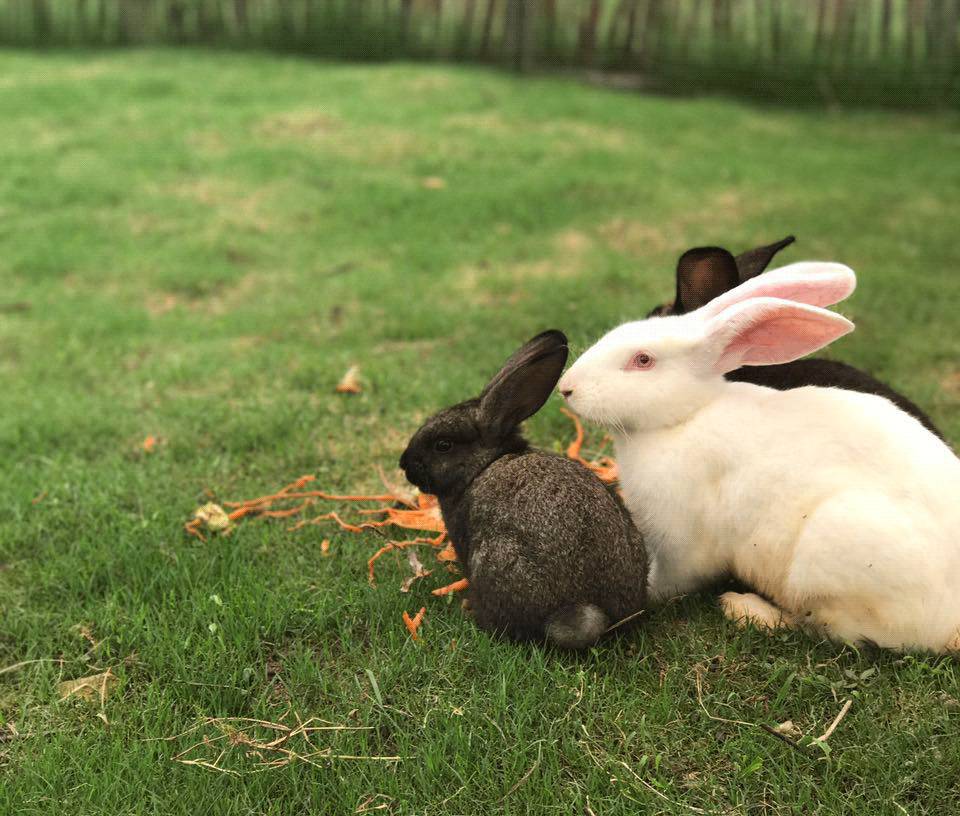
[640, 361]
[442, 445]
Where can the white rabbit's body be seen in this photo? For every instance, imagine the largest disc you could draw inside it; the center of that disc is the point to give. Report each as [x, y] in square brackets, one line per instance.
[890, 577]
[840, 508]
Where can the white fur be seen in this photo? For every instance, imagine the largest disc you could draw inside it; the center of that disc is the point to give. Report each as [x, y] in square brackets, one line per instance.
[837, 506]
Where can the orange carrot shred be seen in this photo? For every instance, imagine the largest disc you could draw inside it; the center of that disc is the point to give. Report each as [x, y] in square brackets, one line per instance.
[448, 553]
[400, 507]
[456, 586]
[395, 545]
[413, 623]
[605, 467]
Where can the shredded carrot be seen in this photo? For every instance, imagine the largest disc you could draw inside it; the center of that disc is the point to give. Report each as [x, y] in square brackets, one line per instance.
[447, 554]
[400, 507]
[604, 467]
[149, 444]
[413, 623]
[39, 498]
[399, 545]
[456, 586]
[573, 449]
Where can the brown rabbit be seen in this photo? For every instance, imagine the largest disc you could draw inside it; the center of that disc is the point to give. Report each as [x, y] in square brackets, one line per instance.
[550, 551]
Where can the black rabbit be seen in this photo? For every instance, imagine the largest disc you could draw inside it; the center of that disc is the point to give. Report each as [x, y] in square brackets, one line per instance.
[549, 551]
[702, 276]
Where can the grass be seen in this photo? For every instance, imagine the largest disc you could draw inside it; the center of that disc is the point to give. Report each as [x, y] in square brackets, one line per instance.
[196, 246]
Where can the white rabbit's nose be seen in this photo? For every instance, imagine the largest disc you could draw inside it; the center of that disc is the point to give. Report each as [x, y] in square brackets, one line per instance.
[566, 392]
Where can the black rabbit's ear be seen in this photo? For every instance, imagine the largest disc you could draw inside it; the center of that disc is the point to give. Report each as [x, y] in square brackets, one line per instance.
[524, 383]
[703, 273]
[752, 262]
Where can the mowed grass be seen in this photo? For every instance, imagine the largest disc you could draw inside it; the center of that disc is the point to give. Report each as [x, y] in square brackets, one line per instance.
[196, 246]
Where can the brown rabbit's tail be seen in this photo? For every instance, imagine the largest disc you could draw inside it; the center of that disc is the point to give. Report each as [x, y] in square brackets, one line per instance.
[576, 626]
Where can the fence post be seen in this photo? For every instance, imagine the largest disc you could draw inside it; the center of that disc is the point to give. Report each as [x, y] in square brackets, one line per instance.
[517, 34]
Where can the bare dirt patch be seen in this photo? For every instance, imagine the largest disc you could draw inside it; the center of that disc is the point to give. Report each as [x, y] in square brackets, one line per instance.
[950, 384]
[719, 213]
[236, 205]
[299, 124]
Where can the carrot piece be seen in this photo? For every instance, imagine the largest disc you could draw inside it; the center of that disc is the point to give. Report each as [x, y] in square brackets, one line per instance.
[303, 480]
[393, 545]
[448, 553]
[413, 623]
[573, 449]
[456, 586]
[604, 467]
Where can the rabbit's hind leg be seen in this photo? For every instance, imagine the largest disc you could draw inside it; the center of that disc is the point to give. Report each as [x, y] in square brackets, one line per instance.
[745, 608]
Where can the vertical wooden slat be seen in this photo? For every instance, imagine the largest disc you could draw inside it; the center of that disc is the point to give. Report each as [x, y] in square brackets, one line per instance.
[821, 32]
[631, 32]
[487, 28]
[549, 16]
[587, 39]
[886, 20]
[465, 36]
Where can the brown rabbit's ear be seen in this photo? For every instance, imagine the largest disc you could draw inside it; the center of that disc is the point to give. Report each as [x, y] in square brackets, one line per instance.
[524, 383]
[703, 273]
[752, 262]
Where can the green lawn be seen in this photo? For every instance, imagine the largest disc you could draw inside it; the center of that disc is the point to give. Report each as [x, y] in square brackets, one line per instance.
[196, 246]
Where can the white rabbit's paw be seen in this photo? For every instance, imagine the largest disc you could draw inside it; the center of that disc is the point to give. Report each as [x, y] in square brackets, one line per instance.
[747, 608]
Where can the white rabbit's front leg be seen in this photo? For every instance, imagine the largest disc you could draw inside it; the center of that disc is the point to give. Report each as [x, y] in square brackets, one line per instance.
[746, 608]
[670, 576]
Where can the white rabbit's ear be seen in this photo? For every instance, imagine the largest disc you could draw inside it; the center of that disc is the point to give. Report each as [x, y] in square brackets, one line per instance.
[817, 283]
[769, 331]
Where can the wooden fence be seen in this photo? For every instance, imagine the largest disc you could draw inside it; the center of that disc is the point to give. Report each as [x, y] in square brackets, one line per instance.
[894, 52]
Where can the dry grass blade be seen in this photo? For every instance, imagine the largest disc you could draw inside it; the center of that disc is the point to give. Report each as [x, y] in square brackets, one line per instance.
[22, 663]
[95, 686]
[836, 721]
[263, 745]
[698, 669]
[536, 764]
[585, 744]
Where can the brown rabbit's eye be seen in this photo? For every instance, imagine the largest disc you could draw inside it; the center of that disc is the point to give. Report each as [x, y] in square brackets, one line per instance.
[641, 360]
[442, 445]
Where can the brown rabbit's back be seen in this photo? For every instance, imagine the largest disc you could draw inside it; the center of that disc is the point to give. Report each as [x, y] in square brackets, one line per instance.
[545, 532]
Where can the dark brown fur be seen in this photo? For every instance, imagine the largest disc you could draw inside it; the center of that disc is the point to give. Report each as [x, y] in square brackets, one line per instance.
[549, 550]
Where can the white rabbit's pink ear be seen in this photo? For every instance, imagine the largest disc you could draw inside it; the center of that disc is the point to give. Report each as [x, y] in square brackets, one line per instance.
[769, 331]
[817, 283]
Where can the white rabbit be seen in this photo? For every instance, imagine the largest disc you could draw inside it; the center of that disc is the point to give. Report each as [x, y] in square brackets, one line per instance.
[838, 507]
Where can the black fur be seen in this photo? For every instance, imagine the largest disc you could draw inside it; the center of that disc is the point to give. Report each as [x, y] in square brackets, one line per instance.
[707, 272]
[550, 551]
